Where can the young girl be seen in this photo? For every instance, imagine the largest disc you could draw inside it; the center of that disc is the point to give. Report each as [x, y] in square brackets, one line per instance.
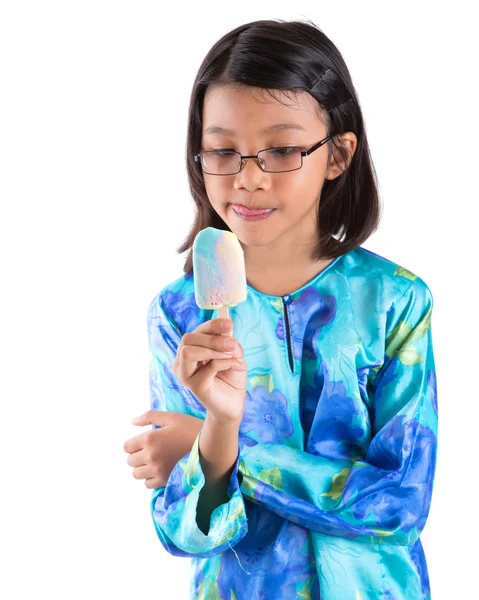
[305, 471]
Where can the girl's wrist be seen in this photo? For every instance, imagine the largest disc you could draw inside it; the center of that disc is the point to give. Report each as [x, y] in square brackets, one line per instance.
[231, 424]
[218, 448]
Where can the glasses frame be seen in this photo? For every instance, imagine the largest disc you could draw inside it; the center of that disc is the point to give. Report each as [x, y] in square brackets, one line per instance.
[243, 158]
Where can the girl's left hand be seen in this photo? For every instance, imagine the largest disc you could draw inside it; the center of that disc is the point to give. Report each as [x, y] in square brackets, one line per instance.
[154, 453]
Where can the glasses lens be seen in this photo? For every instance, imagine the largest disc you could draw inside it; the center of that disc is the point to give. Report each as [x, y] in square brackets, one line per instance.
[273, 160]
[221, 162]
[276, 160]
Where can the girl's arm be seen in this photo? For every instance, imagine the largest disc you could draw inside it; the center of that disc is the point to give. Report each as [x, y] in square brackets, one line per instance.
[384, 496]
[203, 487]
[218, 450]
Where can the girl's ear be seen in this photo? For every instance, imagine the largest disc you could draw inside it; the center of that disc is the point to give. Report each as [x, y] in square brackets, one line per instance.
[337, 163]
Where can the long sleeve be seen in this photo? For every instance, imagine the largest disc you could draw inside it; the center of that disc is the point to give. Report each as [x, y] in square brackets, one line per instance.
[385, 495]
[173, 507]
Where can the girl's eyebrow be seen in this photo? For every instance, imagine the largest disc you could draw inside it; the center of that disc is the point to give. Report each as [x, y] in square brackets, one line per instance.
[272, 129]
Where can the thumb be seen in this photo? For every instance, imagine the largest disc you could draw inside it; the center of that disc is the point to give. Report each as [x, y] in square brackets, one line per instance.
[152, 417]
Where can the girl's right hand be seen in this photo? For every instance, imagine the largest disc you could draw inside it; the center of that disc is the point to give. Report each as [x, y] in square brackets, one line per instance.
[215, 374]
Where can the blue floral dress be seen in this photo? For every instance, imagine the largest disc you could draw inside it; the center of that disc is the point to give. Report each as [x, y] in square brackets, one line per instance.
[337, 447]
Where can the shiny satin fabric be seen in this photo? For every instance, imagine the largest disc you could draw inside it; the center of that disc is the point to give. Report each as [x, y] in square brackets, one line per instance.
[337, 446]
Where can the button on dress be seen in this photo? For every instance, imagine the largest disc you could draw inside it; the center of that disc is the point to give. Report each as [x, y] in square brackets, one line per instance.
[337, 447]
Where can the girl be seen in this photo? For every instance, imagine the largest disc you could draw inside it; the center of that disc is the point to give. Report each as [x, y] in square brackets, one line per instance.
[306, 469]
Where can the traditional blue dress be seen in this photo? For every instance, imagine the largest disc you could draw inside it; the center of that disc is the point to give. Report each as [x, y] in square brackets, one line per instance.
[337, 446]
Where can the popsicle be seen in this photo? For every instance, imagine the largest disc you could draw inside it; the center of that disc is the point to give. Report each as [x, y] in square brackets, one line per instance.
[219, 270]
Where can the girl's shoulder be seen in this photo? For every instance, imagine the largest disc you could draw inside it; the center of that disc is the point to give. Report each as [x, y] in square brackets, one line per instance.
[177, 289]
[176, 302]
[369, 273]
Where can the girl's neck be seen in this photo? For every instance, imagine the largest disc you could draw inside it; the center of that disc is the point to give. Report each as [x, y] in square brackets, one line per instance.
[285, 264]
[279, 280]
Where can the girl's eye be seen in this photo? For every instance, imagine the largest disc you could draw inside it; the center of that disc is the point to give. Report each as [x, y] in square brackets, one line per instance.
[223, 152]
[285, 150]
[279, 150]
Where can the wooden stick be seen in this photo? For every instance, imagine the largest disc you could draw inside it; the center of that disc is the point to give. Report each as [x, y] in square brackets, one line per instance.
[223, 314]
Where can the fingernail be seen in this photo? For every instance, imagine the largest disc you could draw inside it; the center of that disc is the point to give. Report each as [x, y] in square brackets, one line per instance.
[135, 419]
[226, 324]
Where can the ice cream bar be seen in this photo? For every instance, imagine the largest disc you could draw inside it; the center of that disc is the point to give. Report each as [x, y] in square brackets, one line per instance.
[219, 270]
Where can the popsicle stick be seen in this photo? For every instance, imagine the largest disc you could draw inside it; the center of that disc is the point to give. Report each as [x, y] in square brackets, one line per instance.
[223, 314]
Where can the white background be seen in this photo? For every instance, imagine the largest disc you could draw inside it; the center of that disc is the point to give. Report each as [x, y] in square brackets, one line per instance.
[94, 202]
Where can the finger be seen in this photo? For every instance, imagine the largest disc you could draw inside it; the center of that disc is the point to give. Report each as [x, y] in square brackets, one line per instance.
[189, 368]
[214, 327]
[190, 357]
[155, 482]
[155, 417]
[143, 472]
[203, 379]
[145, 418]
[137, 459]
[211, 327]
[220, 343]
[194, 352]
[135, 443]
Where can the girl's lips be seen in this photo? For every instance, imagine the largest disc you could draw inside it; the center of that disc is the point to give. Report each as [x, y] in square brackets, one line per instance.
[252, 214]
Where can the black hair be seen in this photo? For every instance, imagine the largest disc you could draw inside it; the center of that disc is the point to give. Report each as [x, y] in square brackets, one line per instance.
[292, 56]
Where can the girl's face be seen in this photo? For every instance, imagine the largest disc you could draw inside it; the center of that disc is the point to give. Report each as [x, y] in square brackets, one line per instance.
[294, 195]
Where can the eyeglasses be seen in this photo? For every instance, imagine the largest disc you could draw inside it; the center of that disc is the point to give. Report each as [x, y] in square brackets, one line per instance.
[272, 160]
